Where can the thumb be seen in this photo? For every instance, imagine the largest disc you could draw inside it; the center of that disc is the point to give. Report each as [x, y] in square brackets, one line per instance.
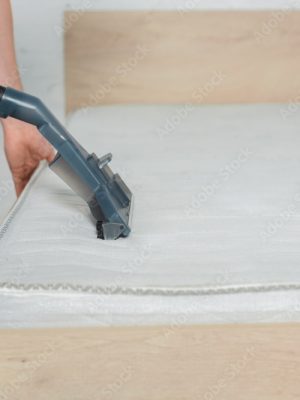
[51, 155]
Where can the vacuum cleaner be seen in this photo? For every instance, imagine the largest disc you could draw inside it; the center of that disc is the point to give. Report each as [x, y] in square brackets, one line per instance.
[107, 196]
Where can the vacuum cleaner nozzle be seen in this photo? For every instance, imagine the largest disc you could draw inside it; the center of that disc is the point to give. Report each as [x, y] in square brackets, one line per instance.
[107, 196]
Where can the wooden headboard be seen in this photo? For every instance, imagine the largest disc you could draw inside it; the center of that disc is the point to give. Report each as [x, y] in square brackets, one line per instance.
[181, 57]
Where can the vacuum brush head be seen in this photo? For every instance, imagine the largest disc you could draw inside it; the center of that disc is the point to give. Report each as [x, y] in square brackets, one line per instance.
[107, 196]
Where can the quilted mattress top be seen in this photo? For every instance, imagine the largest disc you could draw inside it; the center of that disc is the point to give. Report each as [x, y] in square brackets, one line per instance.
[216, 207]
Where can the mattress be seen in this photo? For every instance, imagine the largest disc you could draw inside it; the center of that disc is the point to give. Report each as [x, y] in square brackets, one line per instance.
[7, 193]
[215, 230]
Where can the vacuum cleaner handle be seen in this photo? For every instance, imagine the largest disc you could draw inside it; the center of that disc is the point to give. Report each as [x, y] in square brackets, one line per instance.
[30, 109]
[107, 195]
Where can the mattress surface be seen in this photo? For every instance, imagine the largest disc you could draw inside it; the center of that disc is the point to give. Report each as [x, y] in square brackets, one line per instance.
[215, 226]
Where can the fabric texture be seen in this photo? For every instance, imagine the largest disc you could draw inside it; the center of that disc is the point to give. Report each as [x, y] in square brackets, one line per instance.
[216, 211]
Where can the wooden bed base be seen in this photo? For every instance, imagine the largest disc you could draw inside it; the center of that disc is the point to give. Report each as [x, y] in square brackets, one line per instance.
[225, 362]
[178, 57]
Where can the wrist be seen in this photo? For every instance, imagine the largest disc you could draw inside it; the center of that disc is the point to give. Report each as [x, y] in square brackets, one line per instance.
[7, 124]
[13, 127]
[11, 79]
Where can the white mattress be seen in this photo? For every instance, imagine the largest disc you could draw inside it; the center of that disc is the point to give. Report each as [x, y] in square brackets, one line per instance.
[216, 227]
[7, 192]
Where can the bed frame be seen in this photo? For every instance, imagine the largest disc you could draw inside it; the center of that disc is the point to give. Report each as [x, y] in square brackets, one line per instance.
[197, 362]
[181, 57]
[166, 57]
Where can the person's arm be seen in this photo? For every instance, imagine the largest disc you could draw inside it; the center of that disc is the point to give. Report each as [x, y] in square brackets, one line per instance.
[24, 146]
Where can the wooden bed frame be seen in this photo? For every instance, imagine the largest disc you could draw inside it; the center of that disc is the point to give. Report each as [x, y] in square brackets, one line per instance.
[197, 362]
[166, 57]
[177, 57]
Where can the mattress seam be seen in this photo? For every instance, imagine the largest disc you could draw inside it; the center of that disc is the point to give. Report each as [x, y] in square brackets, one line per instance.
[148, 291]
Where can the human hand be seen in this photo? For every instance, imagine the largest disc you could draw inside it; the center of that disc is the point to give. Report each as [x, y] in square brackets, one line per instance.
[24, 147]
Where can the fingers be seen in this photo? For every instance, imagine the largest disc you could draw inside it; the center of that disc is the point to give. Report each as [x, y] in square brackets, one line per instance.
[21, 176]
[20, 184]
[24, 149]
[51, 155]
[42, 149]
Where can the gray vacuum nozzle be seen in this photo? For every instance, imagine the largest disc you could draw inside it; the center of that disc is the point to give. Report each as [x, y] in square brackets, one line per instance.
[107, 196]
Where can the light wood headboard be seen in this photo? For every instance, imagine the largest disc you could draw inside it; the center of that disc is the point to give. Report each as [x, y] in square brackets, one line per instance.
[181, 57]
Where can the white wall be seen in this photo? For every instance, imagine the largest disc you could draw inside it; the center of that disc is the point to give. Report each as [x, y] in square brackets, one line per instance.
[39, 42]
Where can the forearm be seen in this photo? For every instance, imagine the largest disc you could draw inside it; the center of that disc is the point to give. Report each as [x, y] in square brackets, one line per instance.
[24, 146]
[9, 75]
